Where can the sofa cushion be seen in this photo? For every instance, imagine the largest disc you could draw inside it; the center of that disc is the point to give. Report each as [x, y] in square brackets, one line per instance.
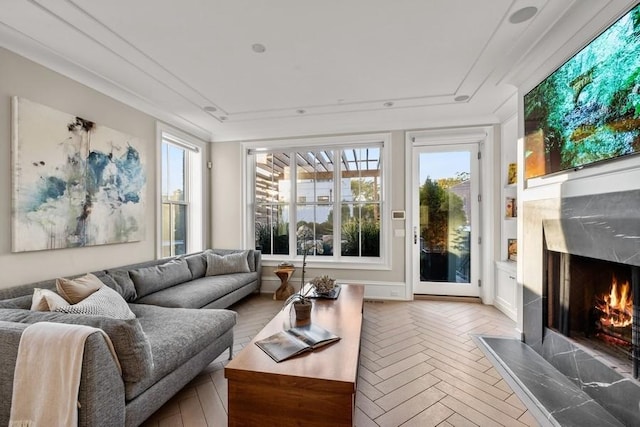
[251, 255]
[197, 264]
[154, 278]
[227, 264]
[129, 340]
[176, 335]
[23, 302]
[44, 299]
[103, 302]
[199, 292]
[123, 282]
[251, 259]
[75, 290]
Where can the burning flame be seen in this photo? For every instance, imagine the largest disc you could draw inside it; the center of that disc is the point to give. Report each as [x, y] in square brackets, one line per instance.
[617, 307]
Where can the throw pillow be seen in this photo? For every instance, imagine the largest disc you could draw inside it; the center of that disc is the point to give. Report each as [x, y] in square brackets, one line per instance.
[45, 299]
[251, 259]
[228, 264]
[148, 280]
[103, 302]
[197, 264]
[124, 282]
[75, 290]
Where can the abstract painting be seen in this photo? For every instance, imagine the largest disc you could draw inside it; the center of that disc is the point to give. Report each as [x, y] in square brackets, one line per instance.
[75, 183]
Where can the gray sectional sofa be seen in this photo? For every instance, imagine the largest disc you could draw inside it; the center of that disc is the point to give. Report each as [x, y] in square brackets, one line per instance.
[181, 326]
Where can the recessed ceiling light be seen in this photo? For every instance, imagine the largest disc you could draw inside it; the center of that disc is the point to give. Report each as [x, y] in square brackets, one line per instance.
[258, 48]
[210, 109]
[523, 14]
[388, 104]
[301, 111]
[461, 98]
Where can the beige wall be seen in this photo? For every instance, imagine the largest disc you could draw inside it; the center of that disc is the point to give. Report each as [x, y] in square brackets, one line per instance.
[226, 195]
[21, 77]
[227, 214]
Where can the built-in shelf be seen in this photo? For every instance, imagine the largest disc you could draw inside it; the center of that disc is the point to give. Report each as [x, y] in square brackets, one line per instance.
[505, 269]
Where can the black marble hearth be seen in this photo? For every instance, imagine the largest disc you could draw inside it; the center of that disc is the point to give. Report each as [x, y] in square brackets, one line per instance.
[602, 226]
[551, 397]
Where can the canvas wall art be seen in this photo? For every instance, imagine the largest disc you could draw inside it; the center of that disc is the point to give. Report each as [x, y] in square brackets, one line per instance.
[75, 183]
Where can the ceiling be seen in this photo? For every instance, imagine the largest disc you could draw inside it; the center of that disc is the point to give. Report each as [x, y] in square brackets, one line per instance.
[332, 66]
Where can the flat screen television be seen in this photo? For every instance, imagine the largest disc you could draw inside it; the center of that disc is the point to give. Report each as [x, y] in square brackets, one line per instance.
[588, 110]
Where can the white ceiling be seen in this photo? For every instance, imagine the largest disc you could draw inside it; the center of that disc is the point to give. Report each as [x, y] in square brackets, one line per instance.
[329, 66]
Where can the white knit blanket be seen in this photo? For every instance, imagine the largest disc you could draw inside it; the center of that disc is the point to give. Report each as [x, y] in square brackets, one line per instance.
[47, 374]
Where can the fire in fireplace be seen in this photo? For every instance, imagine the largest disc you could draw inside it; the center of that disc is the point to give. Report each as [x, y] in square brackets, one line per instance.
[613, 315]
[615, 309]
[592, 301]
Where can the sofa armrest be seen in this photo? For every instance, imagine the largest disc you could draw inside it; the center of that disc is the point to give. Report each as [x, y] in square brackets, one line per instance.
[101, 393]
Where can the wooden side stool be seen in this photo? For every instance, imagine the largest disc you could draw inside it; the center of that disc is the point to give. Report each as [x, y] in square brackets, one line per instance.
[286, 289]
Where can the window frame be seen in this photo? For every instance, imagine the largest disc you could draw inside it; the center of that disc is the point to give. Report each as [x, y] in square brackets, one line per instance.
[337, 260]
[194, 187]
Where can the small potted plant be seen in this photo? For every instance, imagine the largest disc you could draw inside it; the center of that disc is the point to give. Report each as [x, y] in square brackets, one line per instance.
[301, 303]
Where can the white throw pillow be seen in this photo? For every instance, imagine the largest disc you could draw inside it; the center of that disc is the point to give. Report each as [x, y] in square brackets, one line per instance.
[103, 302]
[46, 300]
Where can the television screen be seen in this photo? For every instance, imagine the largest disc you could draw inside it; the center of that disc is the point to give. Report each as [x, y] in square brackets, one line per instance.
[588, 110]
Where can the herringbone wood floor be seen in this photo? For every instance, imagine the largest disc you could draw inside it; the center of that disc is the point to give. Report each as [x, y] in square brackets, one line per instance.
[418, 367]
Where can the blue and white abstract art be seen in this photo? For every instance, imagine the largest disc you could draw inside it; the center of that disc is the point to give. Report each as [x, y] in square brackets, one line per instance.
[75, 183]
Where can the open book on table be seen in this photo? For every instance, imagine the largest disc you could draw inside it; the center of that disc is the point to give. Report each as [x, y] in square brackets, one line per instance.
[286, 344]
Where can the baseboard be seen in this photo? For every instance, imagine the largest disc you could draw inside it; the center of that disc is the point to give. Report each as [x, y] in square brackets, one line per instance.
[447, 298]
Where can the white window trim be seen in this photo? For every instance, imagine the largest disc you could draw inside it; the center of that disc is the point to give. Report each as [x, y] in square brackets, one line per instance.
[196, 224]
[362, 263]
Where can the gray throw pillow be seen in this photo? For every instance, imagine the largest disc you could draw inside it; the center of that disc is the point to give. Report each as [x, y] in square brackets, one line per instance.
[158, 277]
[129, 340]
[251, 259]
[197, 264]
[227, 264]
[121, 282]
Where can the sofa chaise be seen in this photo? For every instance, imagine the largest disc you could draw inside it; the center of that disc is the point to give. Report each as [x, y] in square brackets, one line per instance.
[181, 325]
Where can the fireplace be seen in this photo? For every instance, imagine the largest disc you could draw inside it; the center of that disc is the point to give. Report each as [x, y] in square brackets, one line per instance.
[574, 234]
[595, 302]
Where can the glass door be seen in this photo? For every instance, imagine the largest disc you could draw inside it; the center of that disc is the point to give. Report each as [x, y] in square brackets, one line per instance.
[446, 220]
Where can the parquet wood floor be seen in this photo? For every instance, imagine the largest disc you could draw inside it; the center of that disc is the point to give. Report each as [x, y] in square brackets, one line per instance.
[418, 367]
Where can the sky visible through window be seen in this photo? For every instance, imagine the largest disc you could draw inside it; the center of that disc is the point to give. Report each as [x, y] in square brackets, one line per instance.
[174, 165]
[443, 165]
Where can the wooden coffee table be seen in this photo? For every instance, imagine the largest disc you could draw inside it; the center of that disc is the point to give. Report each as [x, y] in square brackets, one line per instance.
[314, 389]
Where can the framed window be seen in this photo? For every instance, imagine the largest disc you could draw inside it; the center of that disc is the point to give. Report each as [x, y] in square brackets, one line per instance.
[181, 195]
[324, 196]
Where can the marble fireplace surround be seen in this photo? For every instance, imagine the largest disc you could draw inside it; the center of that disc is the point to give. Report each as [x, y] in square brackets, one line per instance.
[603, 226]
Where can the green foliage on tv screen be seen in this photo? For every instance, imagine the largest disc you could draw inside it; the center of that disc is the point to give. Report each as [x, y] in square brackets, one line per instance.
[589, 109]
